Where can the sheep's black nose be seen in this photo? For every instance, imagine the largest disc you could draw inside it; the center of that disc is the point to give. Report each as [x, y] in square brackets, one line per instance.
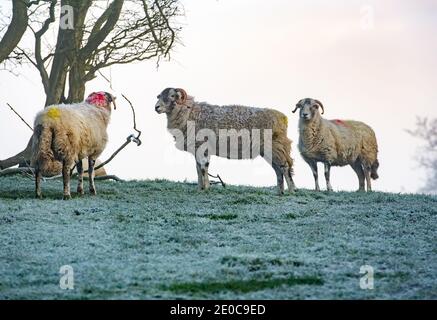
[156, 108]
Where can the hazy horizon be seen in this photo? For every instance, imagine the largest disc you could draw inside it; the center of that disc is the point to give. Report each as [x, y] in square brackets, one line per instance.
[373, 61]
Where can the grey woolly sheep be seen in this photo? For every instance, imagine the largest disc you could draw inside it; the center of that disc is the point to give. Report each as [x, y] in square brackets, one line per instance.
[232, 131]
[336, 143]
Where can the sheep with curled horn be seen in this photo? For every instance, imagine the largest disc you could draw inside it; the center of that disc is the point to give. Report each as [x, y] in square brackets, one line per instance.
[336, 143]
[183, 111]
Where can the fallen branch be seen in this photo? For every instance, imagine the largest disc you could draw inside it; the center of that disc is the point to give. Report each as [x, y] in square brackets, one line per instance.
[108, 177]
[29, 173]
[11, 171]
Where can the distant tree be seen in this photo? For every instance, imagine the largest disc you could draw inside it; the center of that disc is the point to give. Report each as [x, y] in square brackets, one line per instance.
[74, 39]
[426, 130]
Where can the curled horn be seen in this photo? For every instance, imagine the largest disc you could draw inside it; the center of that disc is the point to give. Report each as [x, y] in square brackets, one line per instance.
[113, 102]
[111, 98]
[321, 105]
[297, 107]
[183, 95]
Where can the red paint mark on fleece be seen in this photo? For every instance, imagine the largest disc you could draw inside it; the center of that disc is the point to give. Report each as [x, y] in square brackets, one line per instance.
[339, 122]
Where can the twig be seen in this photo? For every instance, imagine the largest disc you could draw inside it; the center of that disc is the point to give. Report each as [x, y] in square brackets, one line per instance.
[218, 177]
[19, 116]
[131, 106]
[112, 156]
[134, 118]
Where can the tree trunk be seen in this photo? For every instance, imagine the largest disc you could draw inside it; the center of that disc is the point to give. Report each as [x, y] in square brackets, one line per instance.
[67, 46]
[76, 83]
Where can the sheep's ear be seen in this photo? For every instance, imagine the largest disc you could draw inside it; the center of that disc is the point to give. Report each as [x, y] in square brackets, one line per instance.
[297, 107]
[182, 95]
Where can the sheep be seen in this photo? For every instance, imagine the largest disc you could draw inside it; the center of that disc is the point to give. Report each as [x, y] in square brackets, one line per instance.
[66, 134]
[336, 143]
[230, 131]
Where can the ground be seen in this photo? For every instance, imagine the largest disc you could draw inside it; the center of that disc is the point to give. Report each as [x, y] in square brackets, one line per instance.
[166, 240]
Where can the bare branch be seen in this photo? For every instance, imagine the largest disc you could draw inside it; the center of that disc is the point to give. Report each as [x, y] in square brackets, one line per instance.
[99, 36]
[16, 29]
[38, 35]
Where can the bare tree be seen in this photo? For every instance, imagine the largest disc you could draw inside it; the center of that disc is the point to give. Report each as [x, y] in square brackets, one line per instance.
[91, 35]
[426, 130]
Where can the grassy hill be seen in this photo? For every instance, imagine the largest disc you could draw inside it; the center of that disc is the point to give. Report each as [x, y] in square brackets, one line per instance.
[160, 239]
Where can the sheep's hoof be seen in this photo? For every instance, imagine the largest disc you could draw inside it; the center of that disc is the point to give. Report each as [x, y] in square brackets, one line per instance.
[38, 196]
[93, 192]
[292, 189]
[80, 191]
[67, 197]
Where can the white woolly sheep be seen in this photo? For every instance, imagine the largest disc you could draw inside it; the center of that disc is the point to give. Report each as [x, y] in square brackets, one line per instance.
[336, 143]
[232, 131]
[66, 134]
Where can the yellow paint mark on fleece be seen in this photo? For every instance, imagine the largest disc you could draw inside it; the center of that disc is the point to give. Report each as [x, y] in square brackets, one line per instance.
[285, 120]
[54, 113]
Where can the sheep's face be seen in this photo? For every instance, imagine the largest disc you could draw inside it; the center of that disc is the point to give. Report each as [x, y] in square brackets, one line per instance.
[168, 99]
[309, 108]
[101, 99]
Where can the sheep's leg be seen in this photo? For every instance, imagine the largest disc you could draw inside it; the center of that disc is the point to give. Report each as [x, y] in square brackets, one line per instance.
[288, 172]
[38, 193]
[79, 168]
[199, 176]
[66, 179]
[204, 169]
[202, 175]
[367, 171]
[358, 168]
[313, 166]
[327, 176]
[279, 178]
[289, 178]
[281, 163]
[91, 164]
[276, 164]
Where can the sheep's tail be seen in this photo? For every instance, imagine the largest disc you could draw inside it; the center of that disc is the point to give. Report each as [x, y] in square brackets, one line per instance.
[374, 170]
[43, 158]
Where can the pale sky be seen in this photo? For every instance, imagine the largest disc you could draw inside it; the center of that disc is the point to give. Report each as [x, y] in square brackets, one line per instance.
[373, 61]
